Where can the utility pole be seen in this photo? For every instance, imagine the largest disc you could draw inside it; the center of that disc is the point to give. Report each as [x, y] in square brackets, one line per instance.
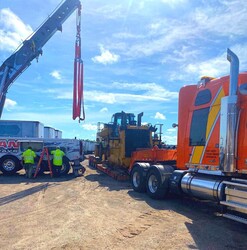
[160, 132]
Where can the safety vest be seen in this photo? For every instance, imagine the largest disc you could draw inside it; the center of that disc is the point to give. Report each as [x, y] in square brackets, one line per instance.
[28, 156]
[57, 157]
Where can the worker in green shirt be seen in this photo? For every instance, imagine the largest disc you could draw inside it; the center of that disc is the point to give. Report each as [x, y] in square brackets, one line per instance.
[28, 159]
[58, 155]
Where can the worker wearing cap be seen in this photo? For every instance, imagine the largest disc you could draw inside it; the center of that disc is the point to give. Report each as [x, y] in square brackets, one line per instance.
[28, 159]
[57, 161]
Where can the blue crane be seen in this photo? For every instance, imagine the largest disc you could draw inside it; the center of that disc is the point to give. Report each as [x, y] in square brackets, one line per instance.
[31, 48]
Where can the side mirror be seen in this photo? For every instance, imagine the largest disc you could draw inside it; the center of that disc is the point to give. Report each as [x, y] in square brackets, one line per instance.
[174, 125]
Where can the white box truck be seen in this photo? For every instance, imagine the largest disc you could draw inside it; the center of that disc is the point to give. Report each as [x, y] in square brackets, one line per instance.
[11, 149]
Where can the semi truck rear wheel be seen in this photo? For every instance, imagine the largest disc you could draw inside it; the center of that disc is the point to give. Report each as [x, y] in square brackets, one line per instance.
[139, 176]
[157, 183]
[138, 180]
[9, 164]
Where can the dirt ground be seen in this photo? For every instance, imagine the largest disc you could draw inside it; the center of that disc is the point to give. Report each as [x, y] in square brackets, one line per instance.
[97, 212]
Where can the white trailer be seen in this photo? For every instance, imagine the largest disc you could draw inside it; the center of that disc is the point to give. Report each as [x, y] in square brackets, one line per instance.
[58, 134]
[49, 132]
[88, 146]
[18, 128]
[11, 149]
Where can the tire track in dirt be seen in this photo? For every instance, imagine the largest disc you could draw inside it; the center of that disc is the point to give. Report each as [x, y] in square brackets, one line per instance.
[143, 222]
[89, 187]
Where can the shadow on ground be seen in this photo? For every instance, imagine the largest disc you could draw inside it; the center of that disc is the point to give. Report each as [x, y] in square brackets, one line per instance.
[207, 227]
[19, 195]
[20, 178]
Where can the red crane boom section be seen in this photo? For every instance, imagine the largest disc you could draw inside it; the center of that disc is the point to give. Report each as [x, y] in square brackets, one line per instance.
[78, 101]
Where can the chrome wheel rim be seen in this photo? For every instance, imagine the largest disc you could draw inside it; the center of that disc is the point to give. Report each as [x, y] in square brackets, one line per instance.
[152, 184]
[136, 179]
[9, 165]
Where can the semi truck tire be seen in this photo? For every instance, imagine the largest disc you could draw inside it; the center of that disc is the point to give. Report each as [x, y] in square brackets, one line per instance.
[65, 167]
[138, 177]
[157, 183]
[9, 164]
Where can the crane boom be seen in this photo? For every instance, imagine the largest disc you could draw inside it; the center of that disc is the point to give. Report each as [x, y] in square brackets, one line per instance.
[32, 47]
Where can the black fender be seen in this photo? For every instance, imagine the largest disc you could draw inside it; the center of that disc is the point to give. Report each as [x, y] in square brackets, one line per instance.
[157, 181]
[164, 170]
[144, 166]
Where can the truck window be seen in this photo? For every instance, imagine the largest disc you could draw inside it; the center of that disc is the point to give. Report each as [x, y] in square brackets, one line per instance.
[36, 146]
[203, 97]
[198, 127]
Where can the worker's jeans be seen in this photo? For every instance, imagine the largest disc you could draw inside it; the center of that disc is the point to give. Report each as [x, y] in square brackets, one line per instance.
[29, 168]
[56, 170]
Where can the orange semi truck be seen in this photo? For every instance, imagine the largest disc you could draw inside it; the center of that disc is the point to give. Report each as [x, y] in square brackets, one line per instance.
[210, 161]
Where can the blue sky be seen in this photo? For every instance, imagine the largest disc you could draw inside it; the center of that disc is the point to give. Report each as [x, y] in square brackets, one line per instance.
[137, 55]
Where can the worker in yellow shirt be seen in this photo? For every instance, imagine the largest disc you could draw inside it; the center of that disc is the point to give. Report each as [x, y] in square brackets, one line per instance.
[58, 155]
[28, 159]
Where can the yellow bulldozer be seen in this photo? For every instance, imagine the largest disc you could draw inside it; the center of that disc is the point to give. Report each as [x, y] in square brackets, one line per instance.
[123, 135]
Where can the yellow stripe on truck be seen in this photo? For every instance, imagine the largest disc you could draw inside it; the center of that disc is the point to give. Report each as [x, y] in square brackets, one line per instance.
[198, 151]
[213, 113]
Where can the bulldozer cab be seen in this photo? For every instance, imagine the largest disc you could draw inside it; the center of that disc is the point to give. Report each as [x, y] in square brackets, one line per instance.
[123, 119]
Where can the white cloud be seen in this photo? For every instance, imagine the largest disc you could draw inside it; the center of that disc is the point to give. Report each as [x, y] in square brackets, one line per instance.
[127, 35]
[181, 55]
[120, 98]
[169, 139]
[56, 74]
[89, 127]
[108, 11]
[106, 57]
[226, 20]
[219, 65]
[150, 89]
[103, 110]
[58, 93]
[173, 3]
[13, 31]
[160, 116]
[45, 118]
[9, 104]
[150, 92]
[204, 24]
[171, 130]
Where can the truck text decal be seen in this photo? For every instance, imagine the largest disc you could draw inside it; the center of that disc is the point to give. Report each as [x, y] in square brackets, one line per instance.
[9, 146]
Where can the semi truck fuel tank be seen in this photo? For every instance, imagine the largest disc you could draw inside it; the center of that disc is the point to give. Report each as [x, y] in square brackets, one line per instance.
[203, 186]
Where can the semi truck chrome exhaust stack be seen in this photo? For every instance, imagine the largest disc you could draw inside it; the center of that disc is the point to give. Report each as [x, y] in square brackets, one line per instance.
[228, 118]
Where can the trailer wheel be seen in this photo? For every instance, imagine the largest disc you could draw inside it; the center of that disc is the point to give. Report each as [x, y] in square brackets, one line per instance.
[9, 164]
[65, 167]
[156, 184]
[138, 179]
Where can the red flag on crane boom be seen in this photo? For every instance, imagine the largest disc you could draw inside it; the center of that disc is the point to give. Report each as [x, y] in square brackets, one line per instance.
[78, 101]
